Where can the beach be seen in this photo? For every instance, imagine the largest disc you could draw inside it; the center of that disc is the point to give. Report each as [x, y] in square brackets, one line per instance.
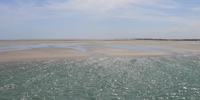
[34, 49]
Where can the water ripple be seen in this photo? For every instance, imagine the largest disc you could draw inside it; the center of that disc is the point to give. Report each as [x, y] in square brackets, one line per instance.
[103, 78]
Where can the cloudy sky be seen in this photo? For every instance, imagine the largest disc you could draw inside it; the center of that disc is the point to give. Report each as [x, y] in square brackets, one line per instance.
[108, 19]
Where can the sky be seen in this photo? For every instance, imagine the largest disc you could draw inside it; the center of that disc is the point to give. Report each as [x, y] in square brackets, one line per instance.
[99, 19]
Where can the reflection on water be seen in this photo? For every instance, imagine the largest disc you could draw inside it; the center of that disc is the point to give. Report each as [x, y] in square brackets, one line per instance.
[101, 78]
[23, 46]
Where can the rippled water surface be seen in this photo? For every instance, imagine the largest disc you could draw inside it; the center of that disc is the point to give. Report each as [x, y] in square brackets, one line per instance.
[102, 78]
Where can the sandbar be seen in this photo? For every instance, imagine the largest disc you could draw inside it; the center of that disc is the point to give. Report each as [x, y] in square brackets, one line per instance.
[46, 52]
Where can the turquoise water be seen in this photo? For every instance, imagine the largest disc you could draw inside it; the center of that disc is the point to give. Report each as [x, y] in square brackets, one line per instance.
[101, 78]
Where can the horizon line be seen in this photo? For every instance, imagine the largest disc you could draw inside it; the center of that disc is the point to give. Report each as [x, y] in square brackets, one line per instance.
[117, 39]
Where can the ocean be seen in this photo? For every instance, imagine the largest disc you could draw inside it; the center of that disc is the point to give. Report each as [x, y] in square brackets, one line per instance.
[102, 78]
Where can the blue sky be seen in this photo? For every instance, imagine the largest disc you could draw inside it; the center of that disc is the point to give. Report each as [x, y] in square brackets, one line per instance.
[110, 19]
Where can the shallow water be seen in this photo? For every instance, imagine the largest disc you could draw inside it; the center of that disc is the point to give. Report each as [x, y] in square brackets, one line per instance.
[101, 78]
[24, 46]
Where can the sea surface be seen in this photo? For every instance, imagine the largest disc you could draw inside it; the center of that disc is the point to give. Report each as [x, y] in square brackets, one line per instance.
[102, 78]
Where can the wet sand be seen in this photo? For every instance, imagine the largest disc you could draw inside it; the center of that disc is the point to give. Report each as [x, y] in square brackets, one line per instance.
[47, 52]
[14, 50]
[108, 51]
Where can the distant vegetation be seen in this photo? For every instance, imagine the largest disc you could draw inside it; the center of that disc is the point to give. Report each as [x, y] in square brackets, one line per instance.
[160, 39]
[122, 39]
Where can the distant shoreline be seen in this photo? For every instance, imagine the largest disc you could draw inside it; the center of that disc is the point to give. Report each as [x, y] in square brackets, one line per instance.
[145, 39]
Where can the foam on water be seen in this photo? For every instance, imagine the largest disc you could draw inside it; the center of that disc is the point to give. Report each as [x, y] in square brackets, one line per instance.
[103, 78]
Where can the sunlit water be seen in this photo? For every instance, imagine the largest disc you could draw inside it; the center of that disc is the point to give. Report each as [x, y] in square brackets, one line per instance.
[101, 78]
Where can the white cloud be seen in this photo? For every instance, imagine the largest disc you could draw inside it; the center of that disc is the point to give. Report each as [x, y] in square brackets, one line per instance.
[170, 4]
[106, 5]
[87, 5]
[112, 8]
[132, 9]
[196, 9]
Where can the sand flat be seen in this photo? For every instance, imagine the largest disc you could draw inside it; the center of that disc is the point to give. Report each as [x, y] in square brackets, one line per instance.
[182, 46]
[11, 50]
[108, 51]
[47, 52]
